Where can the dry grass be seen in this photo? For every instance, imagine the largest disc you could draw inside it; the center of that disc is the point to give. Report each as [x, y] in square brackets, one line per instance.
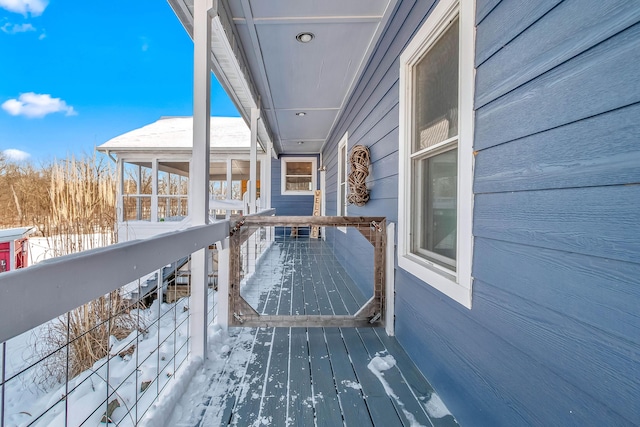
[88, 329]
[69, 201]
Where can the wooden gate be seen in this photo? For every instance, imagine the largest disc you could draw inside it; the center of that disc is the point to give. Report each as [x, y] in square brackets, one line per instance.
[372, 313]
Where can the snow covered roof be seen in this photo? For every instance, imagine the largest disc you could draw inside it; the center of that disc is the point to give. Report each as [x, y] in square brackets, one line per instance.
[11, 234]
[171, 133]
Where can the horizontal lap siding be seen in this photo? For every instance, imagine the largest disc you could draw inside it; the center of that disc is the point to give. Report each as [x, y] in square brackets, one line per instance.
[557, 205]
[553, 336]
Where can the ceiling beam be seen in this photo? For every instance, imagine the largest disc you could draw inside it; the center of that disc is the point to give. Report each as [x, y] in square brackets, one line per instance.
[310, 20]
[255, 44]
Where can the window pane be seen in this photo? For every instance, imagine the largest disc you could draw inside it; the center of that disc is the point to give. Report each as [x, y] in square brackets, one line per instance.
[298, 183]
[435, 191]
[436, 92]
[298, 168]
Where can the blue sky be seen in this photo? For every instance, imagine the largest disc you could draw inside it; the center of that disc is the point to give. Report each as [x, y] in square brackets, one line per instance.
[74, 74]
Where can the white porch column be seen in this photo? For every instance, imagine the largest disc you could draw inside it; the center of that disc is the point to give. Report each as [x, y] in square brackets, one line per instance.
[267, 184]
[253, 163]
[229, 179]
[120, 193]
[323, 195]
[390, 282]
[199, 200]
[139, 192]
[154, 190]
[227, 213]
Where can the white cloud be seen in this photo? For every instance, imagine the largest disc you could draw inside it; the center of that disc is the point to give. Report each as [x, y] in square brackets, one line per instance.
[17, 28]
[16, 155]
[35, 105]
[33, 7]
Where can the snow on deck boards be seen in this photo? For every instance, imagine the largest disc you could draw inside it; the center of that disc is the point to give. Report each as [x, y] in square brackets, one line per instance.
[307, 376]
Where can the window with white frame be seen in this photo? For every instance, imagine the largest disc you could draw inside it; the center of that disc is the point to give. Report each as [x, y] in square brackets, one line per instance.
[342, 177]
[298, 175]
[436, 151]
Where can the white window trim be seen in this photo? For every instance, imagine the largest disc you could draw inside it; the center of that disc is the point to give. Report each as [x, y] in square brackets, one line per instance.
[283, 175]
[455, 284]
[342, 165]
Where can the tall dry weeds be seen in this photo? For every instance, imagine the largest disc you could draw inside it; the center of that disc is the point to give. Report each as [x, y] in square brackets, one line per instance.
[88, 329]
[82, 204]
[72, 203]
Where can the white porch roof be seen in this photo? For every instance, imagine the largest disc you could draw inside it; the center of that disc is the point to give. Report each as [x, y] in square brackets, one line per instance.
[258, 60]
[176, 133]
[11, 234]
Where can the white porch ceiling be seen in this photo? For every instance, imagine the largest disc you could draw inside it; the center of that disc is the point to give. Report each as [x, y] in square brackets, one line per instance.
[285, 76]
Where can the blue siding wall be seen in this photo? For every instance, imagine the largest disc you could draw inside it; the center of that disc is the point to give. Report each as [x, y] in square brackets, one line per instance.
[553, 337]
[285, 204]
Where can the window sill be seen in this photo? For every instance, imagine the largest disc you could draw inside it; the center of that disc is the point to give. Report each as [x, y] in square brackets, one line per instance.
[449, 283]
[298, 193]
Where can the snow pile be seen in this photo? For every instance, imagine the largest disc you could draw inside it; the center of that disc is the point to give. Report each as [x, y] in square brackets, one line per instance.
[435, 407]
[378, 365]
[352, 384]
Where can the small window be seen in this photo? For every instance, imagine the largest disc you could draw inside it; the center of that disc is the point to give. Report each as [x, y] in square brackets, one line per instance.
[299, 175]
[342, 177]
[436, 151]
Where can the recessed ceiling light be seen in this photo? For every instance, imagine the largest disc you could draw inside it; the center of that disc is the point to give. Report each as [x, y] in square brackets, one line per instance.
[305, 37]
[301, 114]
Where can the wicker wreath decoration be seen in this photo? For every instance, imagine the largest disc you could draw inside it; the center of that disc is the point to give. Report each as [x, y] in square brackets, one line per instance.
[359, 160]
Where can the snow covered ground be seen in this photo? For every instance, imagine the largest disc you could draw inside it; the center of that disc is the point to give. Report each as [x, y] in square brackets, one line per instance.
[138, 367]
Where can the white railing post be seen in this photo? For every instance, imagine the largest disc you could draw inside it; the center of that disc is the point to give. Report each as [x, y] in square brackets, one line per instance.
[120, 192]
[154, 190]
[253, 160]
[222, 296]
[227, 213]
[138, 194]
[390, 290]
[199, 199]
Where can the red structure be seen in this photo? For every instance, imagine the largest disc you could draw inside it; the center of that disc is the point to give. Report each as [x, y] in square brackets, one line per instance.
[14, 245]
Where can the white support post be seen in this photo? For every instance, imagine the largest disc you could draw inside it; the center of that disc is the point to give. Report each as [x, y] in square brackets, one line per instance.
[159, 287]
[120, 192]
[390, 286]
[265, 189]
[154, 190]
[253, 160]
[138, 192]
[222, 297]
[323, 195]
[227, 213]
[199, 199]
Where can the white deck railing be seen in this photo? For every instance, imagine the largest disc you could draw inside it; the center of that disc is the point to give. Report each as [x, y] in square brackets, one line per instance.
[137, 369]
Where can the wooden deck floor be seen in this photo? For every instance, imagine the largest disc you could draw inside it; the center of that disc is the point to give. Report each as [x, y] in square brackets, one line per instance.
[314, 376]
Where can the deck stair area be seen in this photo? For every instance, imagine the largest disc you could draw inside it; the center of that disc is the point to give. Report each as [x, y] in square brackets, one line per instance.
[305, 376]
[170, 277]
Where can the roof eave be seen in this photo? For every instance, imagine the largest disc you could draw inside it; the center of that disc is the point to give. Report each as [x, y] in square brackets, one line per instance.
[229, 66]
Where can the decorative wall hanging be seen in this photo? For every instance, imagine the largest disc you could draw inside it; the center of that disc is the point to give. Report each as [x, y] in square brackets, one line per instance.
[359, 160]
